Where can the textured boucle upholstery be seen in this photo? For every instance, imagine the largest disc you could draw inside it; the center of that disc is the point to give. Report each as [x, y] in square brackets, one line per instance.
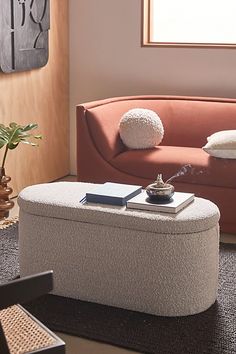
[61, 200]
[141, 129]
[157, 263]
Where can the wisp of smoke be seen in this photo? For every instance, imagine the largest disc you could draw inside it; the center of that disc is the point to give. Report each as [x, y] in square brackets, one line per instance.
[185, 169]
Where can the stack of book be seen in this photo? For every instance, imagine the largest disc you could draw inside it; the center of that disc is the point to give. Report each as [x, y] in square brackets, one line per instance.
[134, 197]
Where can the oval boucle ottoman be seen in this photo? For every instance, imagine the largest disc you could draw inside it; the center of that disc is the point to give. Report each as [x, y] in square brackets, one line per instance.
[159, 263]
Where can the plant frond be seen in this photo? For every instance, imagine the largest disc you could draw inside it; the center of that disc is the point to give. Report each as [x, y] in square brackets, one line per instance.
[29, 126]
[14, 134]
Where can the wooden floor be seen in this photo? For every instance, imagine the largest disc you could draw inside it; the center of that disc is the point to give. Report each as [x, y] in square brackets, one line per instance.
[77, 345]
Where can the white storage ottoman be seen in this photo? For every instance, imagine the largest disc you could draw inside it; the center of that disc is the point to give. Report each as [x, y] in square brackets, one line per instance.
[163, 264]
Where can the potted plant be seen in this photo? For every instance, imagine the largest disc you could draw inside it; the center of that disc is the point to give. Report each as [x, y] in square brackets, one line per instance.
[10, 137]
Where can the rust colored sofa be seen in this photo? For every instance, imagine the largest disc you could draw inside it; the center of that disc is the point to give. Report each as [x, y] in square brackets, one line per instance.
[188, 121]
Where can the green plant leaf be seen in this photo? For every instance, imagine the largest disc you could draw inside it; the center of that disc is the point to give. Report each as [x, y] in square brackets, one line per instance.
[2, 143]
[14, 134]
[23, 136]
[29, 126]
[2, 137]
[3, 131]
[29, 143]
[12, 146]
[3, 126]
[13, 125]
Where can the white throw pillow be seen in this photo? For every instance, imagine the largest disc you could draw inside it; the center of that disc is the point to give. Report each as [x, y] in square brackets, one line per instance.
[222, 144]
[141, 129]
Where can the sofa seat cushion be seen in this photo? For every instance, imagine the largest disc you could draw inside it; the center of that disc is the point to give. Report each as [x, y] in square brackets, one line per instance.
[206, 170]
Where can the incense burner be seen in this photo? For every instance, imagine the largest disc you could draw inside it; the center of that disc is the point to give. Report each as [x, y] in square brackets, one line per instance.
[159, 190]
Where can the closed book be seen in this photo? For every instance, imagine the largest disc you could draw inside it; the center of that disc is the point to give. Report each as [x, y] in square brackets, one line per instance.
[178, 201]
[113, 193]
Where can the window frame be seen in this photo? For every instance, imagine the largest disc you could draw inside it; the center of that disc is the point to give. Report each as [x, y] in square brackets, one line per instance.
[146, 34]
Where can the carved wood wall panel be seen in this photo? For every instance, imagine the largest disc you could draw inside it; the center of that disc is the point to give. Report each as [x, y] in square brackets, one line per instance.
[24, 26]
[41, 96]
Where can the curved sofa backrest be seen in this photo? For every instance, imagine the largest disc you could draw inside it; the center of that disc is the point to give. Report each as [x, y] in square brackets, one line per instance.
[188, 121]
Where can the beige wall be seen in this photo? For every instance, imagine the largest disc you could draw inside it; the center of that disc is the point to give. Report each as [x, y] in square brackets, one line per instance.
[106, 60]
[41, 96]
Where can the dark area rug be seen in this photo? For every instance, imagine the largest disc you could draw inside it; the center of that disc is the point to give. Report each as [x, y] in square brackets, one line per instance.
[9, 266]
[211, 332]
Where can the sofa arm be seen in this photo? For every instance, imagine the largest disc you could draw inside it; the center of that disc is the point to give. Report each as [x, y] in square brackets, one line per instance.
[98, 126]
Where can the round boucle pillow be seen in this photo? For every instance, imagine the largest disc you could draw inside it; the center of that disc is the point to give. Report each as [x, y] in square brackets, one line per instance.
[141, 129]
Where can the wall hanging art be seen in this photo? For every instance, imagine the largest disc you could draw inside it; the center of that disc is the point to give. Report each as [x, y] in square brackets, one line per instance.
[24, 26]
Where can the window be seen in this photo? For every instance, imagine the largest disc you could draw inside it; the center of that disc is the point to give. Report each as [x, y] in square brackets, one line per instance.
[189, 23]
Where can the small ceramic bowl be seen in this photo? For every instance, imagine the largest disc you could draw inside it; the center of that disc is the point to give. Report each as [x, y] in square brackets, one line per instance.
[157, 193]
